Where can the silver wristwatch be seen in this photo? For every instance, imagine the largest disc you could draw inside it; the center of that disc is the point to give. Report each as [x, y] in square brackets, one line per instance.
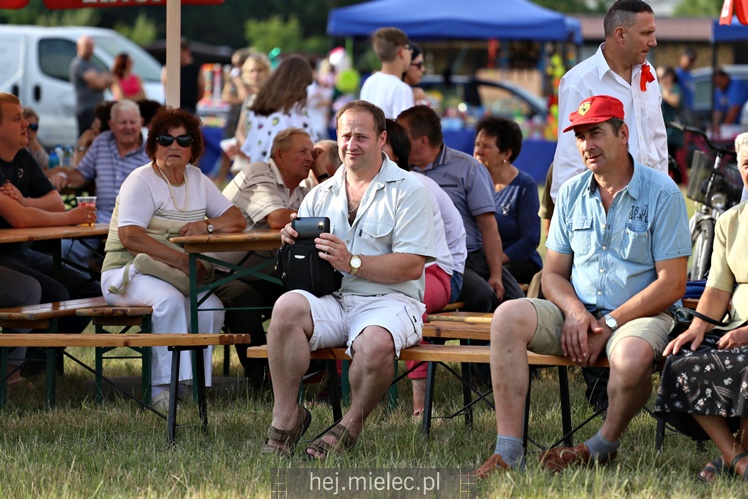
[611, 322]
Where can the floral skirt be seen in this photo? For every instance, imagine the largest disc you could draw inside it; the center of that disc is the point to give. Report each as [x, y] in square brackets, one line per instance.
[707, 382]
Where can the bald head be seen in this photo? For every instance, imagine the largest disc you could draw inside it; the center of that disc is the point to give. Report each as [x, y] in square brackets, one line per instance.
[85, 47]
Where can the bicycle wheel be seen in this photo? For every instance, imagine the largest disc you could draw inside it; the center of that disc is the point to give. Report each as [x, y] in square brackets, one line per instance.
[702, 241]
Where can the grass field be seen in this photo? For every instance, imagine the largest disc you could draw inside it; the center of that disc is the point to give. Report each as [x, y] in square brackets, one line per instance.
[80, 449]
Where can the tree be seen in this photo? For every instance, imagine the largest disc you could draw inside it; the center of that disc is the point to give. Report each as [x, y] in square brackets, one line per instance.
[698, 8]
[142, 32]
[274, 32]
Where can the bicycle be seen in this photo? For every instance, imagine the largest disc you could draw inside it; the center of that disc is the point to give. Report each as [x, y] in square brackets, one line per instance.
[715, 190]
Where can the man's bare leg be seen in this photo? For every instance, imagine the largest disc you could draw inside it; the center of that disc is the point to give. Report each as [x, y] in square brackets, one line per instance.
[370, 375]
[629, 387]
[512, 328]
[288, 336]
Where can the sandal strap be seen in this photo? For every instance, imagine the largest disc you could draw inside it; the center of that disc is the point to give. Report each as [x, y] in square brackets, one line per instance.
[343, 436]
[735, 461]
[288, 438]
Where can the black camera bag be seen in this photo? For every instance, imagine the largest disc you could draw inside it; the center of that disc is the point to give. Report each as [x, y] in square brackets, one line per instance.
[300, 267]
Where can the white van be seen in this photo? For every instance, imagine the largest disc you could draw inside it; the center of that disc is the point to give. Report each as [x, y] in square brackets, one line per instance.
[35, 66]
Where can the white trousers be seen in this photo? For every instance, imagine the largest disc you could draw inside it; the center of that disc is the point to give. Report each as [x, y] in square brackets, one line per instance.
[171, 314]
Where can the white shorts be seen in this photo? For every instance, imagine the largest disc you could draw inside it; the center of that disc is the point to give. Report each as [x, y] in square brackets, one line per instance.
[338, 319]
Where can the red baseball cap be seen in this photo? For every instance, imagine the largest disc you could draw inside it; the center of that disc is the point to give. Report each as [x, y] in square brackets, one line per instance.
[596, 109]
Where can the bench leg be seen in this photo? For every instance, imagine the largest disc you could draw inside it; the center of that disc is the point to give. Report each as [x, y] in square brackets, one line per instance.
[467, 394]
[428, 399]
[99, 367]
[333, 388]
[202, 403]
[226, 359]
[51, 354]
[563, 382]
[145, 375]
[171, 418]
[4, 374]
[346, 388]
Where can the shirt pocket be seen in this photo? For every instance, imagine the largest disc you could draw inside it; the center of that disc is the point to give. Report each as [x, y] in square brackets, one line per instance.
[636, 243]
[374, 237]
[580, 235]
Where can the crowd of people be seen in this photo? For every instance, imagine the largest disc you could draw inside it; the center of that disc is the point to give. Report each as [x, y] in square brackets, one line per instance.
[414, 225]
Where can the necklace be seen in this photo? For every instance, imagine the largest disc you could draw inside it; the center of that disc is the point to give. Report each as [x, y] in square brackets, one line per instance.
[171, 193]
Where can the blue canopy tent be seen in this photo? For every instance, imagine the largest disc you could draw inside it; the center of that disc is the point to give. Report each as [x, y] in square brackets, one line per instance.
[725, 33]
[439, 19]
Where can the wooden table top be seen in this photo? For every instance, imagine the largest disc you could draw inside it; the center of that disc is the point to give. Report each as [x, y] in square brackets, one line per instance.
[47, 233]
[254, 240]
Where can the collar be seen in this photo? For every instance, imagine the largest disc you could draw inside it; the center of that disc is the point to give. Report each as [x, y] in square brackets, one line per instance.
[633, 187]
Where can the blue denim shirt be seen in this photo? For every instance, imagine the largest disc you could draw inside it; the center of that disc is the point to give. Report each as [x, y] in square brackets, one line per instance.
[615, 253]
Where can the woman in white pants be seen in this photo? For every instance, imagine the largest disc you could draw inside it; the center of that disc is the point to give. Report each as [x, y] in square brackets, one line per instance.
[165, 198]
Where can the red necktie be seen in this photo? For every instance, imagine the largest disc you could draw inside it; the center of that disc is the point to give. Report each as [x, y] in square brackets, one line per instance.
[646, 77]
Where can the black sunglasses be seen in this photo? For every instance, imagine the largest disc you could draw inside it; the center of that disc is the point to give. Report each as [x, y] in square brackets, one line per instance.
[34, 127]
[419, 65]
[167, 140]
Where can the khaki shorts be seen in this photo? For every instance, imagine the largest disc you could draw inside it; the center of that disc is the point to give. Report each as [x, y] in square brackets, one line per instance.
[339, 319]
[547, 339]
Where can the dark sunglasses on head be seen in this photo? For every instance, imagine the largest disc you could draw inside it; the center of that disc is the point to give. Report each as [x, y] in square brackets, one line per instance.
[167, 140]
[419, 65]
[33, 127]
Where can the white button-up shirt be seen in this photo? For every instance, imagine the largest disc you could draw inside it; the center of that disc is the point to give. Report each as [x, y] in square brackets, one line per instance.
[642, 114]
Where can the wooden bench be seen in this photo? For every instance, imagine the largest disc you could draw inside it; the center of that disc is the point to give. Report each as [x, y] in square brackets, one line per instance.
[107, 316]
[46, 316]
[177, 343]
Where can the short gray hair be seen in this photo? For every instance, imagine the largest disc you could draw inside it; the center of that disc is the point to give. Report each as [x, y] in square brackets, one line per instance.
[124, 105]
[282, 140]
[330, 148]
[741, 142]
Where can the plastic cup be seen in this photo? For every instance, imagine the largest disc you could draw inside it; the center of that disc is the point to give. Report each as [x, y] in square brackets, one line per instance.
[86, 201]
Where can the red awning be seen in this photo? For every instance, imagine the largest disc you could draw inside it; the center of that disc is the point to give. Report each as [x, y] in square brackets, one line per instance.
[78, 4]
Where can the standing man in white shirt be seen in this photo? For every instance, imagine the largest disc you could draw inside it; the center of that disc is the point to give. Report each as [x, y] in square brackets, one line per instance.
[386, 88]
[619, 68]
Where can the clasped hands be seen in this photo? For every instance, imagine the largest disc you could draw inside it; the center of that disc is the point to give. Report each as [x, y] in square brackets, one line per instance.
[583, 337]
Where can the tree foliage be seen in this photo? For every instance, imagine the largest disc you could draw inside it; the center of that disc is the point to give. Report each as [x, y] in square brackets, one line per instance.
[576, 6]
[698, 8]
[267, 34]
[143, 32]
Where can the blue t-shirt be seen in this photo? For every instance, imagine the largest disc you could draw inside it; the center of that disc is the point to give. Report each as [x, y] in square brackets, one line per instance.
[687, 86]
[735, 95]
[516, 214]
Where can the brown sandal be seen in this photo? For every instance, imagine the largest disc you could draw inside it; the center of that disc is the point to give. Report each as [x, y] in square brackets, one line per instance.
[344, 442]
[286, 440]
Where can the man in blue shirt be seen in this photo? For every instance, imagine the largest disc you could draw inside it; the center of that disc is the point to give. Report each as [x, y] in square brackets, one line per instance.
[729, 97]
[685, 78]
[616, 262]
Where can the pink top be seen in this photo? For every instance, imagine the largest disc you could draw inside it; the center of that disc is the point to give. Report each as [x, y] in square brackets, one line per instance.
[130, 85]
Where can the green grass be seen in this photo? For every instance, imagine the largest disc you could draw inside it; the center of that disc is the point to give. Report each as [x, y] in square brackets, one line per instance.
[83, 450]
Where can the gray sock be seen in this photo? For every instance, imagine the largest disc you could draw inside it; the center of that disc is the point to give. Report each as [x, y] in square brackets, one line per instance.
[601, 448]
[511, 451]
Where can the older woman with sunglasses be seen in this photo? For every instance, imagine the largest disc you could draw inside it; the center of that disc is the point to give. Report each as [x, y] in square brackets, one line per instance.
[414, 73]
[165, 198]
[32, 132]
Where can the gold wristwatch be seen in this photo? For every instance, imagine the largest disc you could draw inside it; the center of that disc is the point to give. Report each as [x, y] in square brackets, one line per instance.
[355, 264]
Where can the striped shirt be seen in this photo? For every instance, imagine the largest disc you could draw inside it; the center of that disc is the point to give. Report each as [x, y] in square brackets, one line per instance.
[104, 165]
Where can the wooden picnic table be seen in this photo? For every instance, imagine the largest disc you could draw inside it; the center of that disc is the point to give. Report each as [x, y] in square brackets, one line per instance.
[55, 235]
[30, 234]
[195, 246]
